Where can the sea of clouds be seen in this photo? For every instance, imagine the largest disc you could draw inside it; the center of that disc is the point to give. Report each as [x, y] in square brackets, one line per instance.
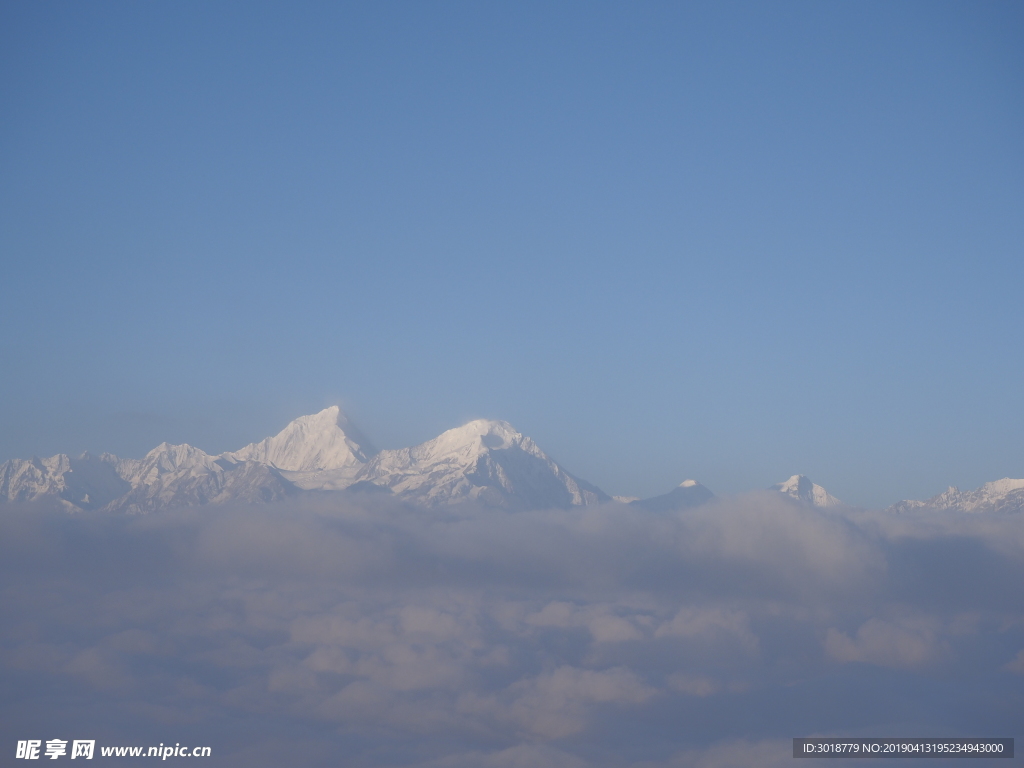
[367, 633]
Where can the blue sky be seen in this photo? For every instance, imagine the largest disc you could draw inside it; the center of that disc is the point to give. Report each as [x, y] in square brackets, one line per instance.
[726, 241]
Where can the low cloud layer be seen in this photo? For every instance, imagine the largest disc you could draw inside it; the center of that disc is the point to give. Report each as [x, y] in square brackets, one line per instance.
[371, 634]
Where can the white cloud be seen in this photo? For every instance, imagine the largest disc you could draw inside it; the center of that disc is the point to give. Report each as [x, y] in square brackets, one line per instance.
[599, 637]
[555, 704]
[599, 620]
[713, 625]
[693, 685]
[901, 643]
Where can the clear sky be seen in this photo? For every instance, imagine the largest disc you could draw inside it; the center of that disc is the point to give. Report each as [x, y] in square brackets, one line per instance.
[726, 241]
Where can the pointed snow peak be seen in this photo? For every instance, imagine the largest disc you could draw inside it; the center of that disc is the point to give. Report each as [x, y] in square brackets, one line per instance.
[484, 460]
[324, 440]
[326, 421]
[323, 420]
[688, 483]
[801, 488]
[794, 483]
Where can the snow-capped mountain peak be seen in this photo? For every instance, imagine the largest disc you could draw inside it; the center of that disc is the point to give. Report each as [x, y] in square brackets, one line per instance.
[801, 488]
[164, 460]
[319, 441]
[474, 439]
[484, 460]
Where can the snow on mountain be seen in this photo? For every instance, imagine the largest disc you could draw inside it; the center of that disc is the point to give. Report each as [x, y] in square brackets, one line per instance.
[164, 461]
[688, 493]
[172, 476]
[167, 477]
[1006, 495]
[802, 489]
[325, 440]
[485, 461]
[88, 482]
[488, 462]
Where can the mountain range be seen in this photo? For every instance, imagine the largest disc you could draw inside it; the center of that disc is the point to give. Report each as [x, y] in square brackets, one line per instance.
[486, 462]
[1006, 495]
[483, 462]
